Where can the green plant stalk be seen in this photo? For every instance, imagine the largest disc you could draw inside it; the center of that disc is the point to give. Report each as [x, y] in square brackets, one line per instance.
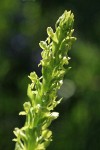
[42, 92]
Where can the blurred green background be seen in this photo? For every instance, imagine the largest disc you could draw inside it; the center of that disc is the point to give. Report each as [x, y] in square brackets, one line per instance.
[23, 24]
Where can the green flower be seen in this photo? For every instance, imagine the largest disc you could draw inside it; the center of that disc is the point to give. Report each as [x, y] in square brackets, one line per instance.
[42, 92]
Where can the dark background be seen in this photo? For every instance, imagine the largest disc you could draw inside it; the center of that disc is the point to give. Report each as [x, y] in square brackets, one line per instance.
[23, 24]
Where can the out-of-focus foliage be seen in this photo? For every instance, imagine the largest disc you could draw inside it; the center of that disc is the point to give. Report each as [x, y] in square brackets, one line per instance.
[22, 26]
